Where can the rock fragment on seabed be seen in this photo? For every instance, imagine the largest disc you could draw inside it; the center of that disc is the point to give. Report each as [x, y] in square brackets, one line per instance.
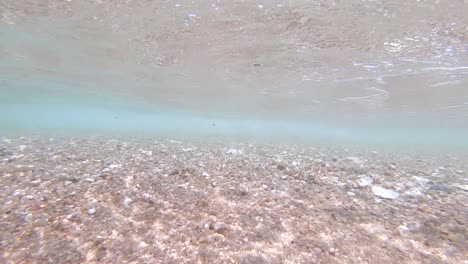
[414, 192]
[127, 201]
[219, 227]
[384, 193]
[91, 211]
[365, 181]
[421, 180]
[356, 160]
[233, 152]
[441, 188]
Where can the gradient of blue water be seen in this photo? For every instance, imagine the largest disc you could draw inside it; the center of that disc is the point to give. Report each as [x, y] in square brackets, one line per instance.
[33, 104]
[118, 119]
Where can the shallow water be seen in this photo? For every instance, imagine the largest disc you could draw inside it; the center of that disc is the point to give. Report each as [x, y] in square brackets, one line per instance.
[365, 72]
[169, 131]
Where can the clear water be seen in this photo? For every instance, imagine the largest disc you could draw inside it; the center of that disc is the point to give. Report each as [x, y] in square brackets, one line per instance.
[389, 73]
[129, 131]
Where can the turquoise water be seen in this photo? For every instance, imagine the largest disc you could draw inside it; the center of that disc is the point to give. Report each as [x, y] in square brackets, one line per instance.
[81, 117]
[64, 77]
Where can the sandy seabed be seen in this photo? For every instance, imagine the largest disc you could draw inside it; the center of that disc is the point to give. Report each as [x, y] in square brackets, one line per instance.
[75, 200]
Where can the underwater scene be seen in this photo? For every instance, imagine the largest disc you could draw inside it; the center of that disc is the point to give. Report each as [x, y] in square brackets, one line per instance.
[233, 131]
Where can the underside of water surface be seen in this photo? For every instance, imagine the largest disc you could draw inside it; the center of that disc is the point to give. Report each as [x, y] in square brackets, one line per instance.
[390, 73]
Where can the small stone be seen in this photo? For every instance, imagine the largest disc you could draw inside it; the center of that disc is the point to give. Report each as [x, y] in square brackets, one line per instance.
[88, 180]
[284, 177]
[23, 168]
[34, 183]
[414, 192]
[18, 193]
[115, 166]
[205, 174]
[280, 167]
[148, 153]
[127, 201]
[384, 193]
[456, 237]
[317, 251]
[421, 179]
[444, 231]
[219, 227]
[351, 193]
[365, 181]
[22, 147]
[28, 197]
[460, 220]
[403, 229]
[233, 152]
[355, 160]
[101, 253]
[441, 188]
[91, 211]
[252, 258]
[243, 192]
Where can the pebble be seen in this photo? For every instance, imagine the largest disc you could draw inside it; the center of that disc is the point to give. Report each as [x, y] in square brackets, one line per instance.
[233, 152]
[414, 192]
[456, 237]
[384, 193]
[127, 201]
[441, 187]
[91, 211]
[28, 197]
[115, 166]
[148, 153]
[355, 160]
[219, 227]
[421, 179]
[88, 180]
[23, 168]
[365, 181]
[403, 229]
[22, 147]
[280, 167]
[351, 193]
[18, 193]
